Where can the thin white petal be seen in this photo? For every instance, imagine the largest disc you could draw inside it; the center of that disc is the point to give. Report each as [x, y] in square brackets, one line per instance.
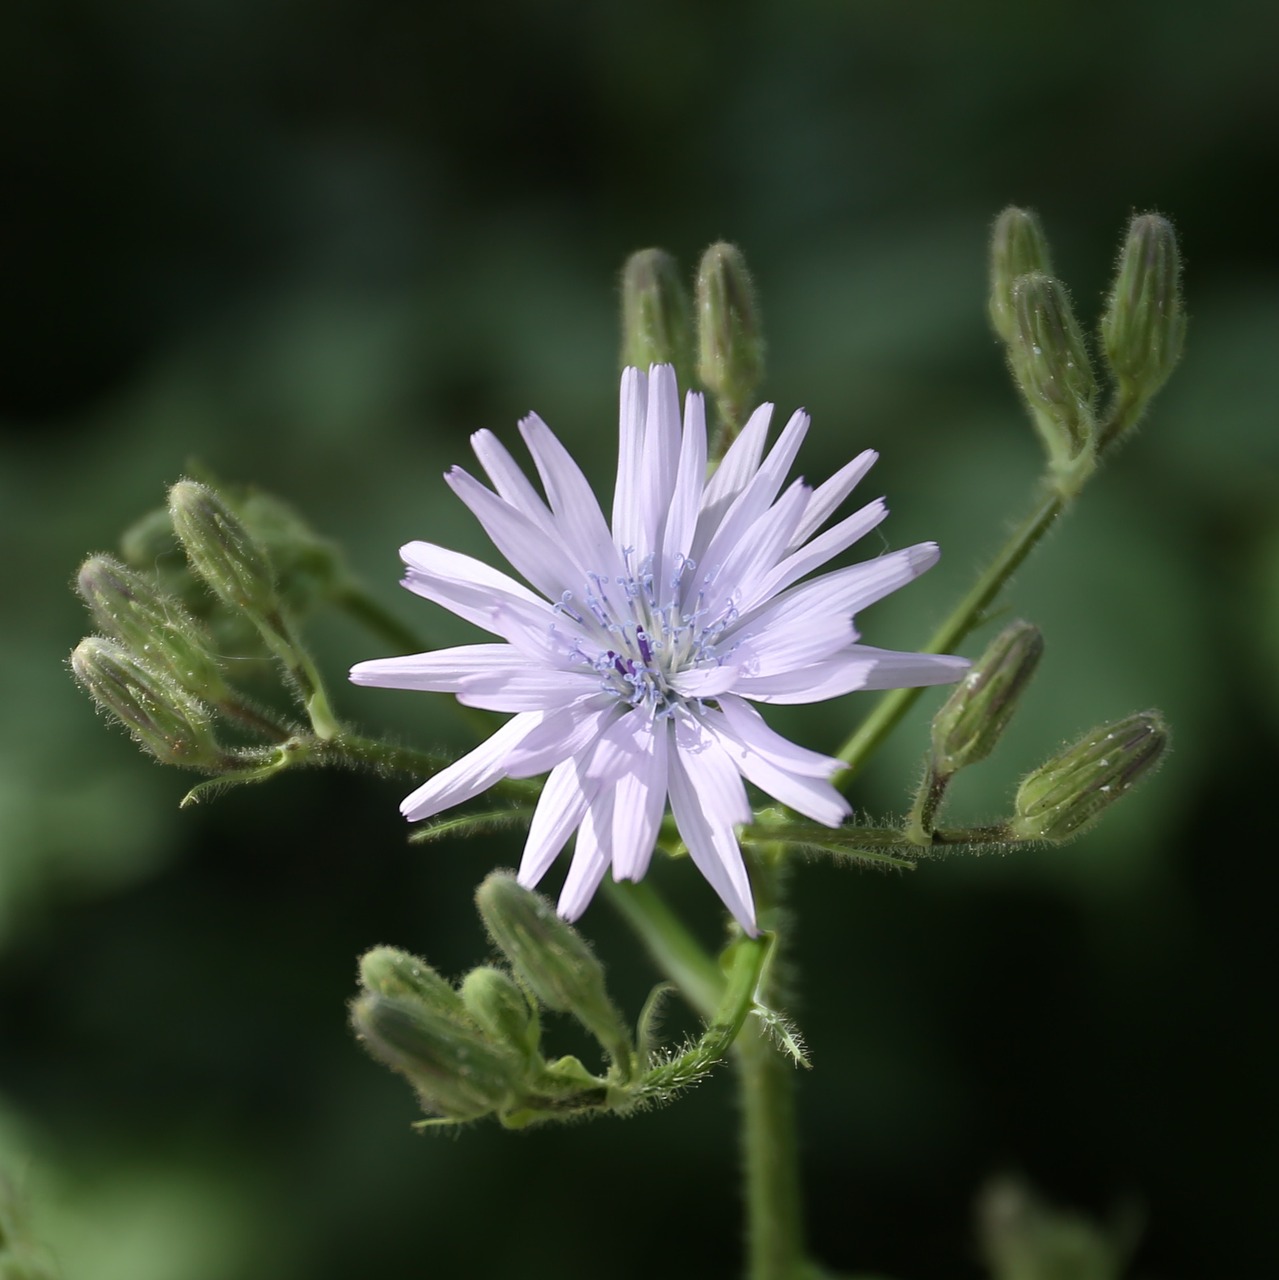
[658, 464]
[559, 734]
[786, 642]
[581, 521]
[705, 682]
[861, 667]
[816, 682]
[630, 453]
[733, 474]
[827, 496]
[828, 545]
[758, 495]
[541, 559]
[846, 591]
[681, 520]
[813, 797]
[740, 576]
[527, 688]
[511, 483]
[749, 727]
[590, 858]
[559, 811]
[895, 670]
[471, 589]
[440, 671]
[639, 802]
[474, 772]
[707, 799]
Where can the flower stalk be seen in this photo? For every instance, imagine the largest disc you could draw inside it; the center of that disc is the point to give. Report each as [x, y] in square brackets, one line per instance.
[766, 1088]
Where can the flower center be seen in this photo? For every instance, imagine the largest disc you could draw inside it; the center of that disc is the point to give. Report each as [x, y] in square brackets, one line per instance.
[638, 637]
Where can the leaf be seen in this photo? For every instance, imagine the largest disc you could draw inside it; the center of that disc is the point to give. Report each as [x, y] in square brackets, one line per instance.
[784, 1034]
[482, 822]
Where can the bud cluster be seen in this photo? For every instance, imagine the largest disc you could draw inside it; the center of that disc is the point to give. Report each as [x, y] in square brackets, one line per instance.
[22, 1257]
[474, 1049]
[1023, 1238]
[161, 670]
[1141, 336]
[1062, 796]
[718, 332]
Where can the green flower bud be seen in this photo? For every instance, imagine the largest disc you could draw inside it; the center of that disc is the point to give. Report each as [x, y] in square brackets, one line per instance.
[1144, 325]
[22, 1267]
[222, 551]
[387, 972]
[657, 320]
[457, 1073]
[551, 957]
[967, 727]
[1017, 248]
[502, 1009]
[21, 1256]
[163, 718]
[1051, 363]
[1064, 795]
[730, 345]
[154, 625]
[1022, 1238]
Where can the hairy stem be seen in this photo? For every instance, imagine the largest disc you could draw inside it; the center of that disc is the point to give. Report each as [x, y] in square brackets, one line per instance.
[770, 1149]
[966, 615]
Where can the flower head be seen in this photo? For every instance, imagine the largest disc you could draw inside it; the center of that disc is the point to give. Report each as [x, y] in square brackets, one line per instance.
[632, 665]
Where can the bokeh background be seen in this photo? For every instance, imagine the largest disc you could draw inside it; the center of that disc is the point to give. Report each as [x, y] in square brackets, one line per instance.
[313, 246]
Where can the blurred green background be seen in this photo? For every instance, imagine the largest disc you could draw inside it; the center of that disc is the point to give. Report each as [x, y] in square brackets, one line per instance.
[315, 245]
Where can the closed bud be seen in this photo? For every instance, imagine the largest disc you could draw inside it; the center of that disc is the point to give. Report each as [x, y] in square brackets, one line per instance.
[1022, 1238]
[164, 718]
[386, 971]
[502, 1009]
[967, 727]
[1017, 248]
[25, 1266]
[1064, 795]
[1144, 325]
[1050, 361]
[222, 551]
[154, 625]
[550, 956]
[457, 1073]
[730, 344]
[657, 321]
[21, 1255]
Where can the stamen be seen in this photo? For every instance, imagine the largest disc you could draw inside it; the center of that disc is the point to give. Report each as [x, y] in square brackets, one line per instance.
[563, 607]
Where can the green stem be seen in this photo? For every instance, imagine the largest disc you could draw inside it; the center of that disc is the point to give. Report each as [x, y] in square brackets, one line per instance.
[1129, 405]
[283, 642]
[749, 955]
[770, 1150]
[923, 813]
[267, 723]
[966, 615]
[356, 750]
[673, 948]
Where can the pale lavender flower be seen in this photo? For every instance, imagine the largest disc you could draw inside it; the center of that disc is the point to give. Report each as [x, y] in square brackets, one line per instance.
[632, 665]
